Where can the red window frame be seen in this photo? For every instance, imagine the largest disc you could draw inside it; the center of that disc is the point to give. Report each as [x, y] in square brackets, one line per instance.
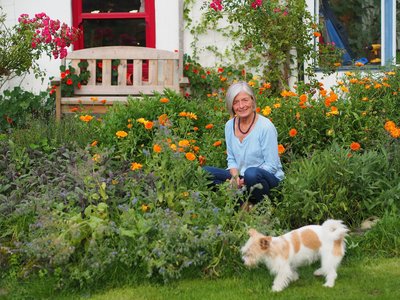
[148, 15]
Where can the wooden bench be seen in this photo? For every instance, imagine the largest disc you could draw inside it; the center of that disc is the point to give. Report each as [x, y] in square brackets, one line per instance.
[117, 72]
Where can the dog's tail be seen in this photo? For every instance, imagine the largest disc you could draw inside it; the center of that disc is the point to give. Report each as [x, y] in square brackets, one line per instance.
[335, 229]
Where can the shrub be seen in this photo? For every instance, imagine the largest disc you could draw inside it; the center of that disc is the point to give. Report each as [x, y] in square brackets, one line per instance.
[335, 183]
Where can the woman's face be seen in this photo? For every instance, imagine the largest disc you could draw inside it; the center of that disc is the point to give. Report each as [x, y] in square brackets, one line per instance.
[243, 105]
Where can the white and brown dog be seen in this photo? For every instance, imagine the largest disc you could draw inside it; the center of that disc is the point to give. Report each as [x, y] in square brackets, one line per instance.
[283, 254]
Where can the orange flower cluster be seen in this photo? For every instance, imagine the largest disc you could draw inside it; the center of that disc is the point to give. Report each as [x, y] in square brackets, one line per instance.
[330, 99]
[286, 93]
[86, 118]
[394, 131]
[147, 124]
[188, 115]
[303, 101]
[164, 100]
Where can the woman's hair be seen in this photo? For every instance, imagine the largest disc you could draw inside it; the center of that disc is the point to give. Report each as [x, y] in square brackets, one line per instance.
[232, 92]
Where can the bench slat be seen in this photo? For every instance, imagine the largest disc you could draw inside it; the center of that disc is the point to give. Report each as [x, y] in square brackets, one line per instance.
[153, 72]
[122, 72]
[123, 90]
[137, 72]
[122, 52]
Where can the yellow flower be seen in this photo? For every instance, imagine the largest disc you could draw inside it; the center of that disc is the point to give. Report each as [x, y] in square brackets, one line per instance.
[145, 207]
[266, 111]
[94, 99]
[141, 120]
[121, 134]
[136, 166]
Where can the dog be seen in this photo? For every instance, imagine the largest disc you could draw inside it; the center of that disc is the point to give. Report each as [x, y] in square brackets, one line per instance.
[283, 254]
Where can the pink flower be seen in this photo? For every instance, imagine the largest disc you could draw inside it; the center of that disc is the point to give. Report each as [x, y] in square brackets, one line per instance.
[256, 4]
[216, 5]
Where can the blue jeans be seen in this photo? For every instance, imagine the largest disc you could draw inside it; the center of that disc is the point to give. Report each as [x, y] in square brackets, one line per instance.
[252, 176]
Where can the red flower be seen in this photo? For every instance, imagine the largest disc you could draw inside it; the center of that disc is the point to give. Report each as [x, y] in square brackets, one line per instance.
[69, 81]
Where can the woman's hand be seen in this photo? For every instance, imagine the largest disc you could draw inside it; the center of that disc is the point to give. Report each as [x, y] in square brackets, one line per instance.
[237, 182]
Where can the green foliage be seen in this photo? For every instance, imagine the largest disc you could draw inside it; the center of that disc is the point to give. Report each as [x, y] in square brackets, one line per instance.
[19, 108]
[383, 240]
[339, 185]
[267, 36]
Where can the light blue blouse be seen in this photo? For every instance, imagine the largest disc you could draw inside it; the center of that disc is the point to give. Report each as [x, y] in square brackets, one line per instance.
[258, 149]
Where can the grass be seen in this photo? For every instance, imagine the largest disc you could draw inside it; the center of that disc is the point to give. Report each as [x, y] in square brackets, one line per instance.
[366, 279]
[360, 279]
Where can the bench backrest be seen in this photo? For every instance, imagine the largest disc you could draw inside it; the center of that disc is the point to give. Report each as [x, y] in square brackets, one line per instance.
[140, 70]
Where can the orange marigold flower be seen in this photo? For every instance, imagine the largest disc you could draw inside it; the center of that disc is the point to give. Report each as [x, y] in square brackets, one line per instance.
[195, 128]
[121, 134]
[103, 101]
[74, 109]
[217, 144]
[390, 125]
[184, 143]
[190, 156]
[94, 143]
[148, 125]
[293, 132]
[337, 64]
[281, 149]
[94, 99]
[86, 118]
[129, 125]
[173, 147]
[303, 98]
[164, 100]
[355, 146]
[209, 126]
[136, 166]
[157, 148]
[395, 133]
[317, 34]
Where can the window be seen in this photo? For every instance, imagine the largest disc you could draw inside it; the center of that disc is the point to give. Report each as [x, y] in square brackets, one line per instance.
[114, 23]
[353, 26]
[364, 31]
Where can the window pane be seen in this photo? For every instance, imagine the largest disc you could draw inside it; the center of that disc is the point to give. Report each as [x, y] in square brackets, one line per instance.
[354, 26]
[114, 32]
[111, 6]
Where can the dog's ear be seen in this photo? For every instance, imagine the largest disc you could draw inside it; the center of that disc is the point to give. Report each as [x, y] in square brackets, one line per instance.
[252, 232]
[264, 243]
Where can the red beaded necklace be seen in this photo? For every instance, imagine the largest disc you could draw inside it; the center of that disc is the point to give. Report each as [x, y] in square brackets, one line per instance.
[248, 129]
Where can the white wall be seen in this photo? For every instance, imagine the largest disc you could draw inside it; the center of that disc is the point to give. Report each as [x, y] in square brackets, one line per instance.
[167, 24]
[212, 39]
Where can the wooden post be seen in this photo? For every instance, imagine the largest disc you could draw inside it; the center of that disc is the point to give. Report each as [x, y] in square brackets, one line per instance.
[57, 84]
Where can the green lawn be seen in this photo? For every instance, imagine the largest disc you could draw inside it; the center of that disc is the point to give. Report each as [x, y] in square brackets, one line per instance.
[373, 279]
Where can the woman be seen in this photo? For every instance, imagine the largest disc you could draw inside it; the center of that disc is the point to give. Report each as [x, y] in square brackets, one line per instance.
[252, 146]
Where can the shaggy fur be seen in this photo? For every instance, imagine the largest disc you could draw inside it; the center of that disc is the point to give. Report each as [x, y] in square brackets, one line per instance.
[283, 254]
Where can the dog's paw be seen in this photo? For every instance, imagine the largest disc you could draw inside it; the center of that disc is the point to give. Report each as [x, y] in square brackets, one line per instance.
[329, 284]
[278, 287]
[318, 272]
[295, 276]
